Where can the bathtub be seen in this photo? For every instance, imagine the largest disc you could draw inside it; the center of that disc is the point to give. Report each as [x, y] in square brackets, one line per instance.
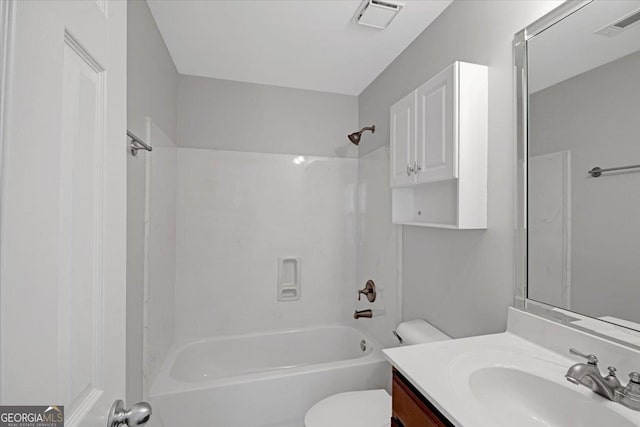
[263, 380]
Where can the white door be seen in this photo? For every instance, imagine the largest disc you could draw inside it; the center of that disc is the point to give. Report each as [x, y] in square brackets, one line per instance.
[435, 144]
[403, 138]
[63, 206]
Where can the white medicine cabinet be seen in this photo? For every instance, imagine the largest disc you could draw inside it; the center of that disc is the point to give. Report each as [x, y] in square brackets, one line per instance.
[439, 151]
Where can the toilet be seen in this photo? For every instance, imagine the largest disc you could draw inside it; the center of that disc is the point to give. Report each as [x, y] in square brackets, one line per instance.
[369, 408]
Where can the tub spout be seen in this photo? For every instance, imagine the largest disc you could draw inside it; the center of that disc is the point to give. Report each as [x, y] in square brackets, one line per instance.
[363, 313]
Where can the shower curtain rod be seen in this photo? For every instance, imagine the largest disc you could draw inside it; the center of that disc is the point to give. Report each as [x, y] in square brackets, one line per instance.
[597, 171]
[137, 144]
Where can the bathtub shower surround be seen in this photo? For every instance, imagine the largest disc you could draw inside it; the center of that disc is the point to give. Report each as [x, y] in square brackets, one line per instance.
[378, 241]
[160, 263]
[238, 213]
[266, 241]
[151, 258]
[136, 210]
[213, 382]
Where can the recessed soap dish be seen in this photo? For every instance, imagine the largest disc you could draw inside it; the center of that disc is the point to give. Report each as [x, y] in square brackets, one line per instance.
[289, 278]
[288, 294]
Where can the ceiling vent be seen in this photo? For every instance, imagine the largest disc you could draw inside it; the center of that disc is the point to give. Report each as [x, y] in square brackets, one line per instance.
[377, 13]
[621, 25]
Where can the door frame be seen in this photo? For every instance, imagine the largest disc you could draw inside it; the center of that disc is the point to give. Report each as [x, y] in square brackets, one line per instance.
[7, 18]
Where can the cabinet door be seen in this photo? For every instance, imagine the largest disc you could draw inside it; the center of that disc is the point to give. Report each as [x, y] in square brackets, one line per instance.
[409, 408]
[436, 144]
[403, 138]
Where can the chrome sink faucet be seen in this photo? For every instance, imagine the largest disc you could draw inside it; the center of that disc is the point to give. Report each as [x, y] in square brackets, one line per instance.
[588, 374]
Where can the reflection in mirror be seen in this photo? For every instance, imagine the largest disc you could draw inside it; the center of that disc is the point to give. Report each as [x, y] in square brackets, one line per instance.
[584, 112]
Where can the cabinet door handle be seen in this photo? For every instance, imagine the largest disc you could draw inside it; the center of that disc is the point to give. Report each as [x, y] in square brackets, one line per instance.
[417, 167]
[409, 169]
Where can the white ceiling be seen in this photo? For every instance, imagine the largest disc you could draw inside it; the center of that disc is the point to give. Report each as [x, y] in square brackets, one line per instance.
[306, 44]
[571, 47]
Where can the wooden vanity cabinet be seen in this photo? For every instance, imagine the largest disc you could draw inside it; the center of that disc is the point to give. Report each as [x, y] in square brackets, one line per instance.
[410, 408]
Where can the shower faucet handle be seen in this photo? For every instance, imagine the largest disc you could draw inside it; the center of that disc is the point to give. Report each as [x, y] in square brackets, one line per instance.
[369, 291]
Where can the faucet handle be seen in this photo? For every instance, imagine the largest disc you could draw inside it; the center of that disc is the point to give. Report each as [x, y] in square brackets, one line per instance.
[591, 358]
[629, 395]
[611, 379]
[369, 291]
[632, 389]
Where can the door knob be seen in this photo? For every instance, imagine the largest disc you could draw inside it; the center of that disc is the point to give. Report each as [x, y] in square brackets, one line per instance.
[138, 415]
[409, 169]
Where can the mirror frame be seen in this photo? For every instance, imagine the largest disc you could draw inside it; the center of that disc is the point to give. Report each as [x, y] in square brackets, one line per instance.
[520, 41]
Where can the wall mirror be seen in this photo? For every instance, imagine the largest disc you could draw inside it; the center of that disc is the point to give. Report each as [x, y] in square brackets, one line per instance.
[578, 118]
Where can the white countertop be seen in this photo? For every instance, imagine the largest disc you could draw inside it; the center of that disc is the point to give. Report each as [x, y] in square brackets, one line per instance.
[441, 371]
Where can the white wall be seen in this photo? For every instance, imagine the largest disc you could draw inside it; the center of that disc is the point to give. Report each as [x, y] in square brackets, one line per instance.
[160, 267]
[152, 78]
[461, 281]
[237, 213]
[378, 246]
[595, 116]
[228, 115]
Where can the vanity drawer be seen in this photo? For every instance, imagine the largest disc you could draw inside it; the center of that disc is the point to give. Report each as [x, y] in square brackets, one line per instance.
[410, 408]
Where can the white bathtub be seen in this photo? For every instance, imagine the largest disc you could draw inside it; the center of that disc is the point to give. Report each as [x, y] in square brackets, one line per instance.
[263, 380]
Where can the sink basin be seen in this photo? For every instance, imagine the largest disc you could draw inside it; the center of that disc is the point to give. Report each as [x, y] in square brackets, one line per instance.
[523, 399]
[504, 380]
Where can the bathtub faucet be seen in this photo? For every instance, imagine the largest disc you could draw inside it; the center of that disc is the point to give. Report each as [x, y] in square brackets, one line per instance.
[363, 313]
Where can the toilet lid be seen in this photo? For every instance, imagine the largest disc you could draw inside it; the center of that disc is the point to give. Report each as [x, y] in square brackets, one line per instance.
[370, 408]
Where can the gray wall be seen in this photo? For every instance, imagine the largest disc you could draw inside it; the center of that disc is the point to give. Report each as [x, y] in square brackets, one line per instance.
[461, 281]
[152, 79]
[228, 115]
[595, 116]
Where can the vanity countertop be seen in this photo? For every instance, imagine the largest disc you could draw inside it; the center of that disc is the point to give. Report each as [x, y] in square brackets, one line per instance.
[502, 379]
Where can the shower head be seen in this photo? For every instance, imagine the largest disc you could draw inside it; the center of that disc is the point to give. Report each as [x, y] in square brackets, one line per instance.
[355, 137]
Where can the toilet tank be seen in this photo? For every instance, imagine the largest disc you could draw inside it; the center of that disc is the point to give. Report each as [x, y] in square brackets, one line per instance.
[419, 331]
